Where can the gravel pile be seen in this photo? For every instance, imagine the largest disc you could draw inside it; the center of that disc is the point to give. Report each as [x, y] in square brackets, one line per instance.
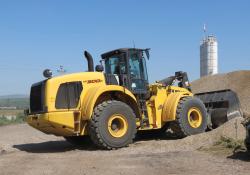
[238, 81]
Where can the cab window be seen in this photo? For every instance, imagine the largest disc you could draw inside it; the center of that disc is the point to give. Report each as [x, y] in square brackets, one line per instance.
[137, 71]
[68, 95]
[115, 65]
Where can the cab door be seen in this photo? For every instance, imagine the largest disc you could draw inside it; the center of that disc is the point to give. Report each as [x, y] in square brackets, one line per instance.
[116, 66]
[138, 72]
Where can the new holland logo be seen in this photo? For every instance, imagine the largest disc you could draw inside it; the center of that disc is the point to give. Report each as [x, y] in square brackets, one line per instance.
[93, 81]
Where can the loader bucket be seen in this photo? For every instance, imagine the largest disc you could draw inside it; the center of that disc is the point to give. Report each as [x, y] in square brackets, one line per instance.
[222, 105]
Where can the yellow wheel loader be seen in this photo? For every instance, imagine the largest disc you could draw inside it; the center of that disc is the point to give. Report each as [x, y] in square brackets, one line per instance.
[111, 106]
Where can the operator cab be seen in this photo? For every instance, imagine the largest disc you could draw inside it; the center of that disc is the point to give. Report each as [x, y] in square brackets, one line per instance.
[127, 67]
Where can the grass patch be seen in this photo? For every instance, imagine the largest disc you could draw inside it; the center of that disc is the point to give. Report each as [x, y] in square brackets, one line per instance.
[230, 143]
[5, 121]
[4, 112]
[224, 146]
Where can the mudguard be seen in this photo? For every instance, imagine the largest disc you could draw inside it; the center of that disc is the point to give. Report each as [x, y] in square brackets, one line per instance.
[170, 105]
[89, 100]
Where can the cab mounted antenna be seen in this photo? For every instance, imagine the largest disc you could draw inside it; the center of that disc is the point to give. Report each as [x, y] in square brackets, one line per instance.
[204, 30]
[134, 44]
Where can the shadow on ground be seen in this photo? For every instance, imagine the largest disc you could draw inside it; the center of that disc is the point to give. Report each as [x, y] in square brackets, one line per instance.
[240, 155]
[63, 146]
[53, 147]
[155, 135]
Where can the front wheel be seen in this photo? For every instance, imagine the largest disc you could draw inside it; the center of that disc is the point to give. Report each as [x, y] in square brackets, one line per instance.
[112, 125]
[191, 117]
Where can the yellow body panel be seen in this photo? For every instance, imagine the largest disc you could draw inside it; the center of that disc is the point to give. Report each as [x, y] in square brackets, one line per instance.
[64, 119]
[44, 124]
[88, 79]
[163, 103]
[65, 122]
[154, 105]
[161, 106]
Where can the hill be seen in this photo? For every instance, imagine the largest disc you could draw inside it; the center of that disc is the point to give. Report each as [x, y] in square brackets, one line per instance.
[19, 103]
[14, 96]
[237, 81]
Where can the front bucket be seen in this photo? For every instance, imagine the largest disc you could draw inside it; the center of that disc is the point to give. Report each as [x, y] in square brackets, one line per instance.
[222, 105]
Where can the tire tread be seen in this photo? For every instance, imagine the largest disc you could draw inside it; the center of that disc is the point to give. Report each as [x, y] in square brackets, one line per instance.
[95, 119]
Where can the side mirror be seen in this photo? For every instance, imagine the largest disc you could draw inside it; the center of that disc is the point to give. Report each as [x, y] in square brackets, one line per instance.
[147, 53]
[99, 68]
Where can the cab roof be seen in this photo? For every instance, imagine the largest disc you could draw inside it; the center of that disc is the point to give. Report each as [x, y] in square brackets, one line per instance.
[117, 51]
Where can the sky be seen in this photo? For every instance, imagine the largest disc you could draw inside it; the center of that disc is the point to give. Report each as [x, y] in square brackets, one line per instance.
[40, 34]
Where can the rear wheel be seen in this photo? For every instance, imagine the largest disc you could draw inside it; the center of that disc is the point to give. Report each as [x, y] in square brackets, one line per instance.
[112, 125]
[191, 117]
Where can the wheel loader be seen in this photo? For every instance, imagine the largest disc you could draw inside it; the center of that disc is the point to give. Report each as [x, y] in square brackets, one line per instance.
[111, 104]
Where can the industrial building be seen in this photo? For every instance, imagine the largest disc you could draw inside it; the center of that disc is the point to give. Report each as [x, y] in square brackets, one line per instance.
[208, 56]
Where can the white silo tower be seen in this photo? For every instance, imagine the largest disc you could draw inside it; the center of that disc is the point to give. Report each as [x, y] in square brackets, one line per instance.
[209, 56]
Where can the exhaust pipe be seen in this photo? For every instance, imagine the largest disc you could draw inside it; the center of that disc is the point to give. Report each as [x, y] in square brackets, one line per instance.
[90, 61]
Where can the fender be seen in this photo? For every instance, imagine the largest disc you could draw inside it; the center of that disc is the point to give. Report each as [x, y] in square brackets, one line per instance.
[170, 105]
[91, 96]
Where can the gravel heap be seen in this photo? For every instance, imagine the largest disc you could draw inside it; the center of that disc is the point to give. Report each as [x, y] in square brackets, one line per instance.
[238, 81]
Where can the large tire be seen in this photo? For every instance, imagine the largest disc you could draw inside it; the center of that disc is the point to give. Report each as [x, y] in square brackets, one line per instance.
[191, 117]
[113, 125]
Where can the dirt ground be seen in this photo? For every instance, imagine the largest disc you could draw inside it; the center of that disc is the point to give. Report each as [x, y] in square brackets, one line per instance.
[24, 150]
